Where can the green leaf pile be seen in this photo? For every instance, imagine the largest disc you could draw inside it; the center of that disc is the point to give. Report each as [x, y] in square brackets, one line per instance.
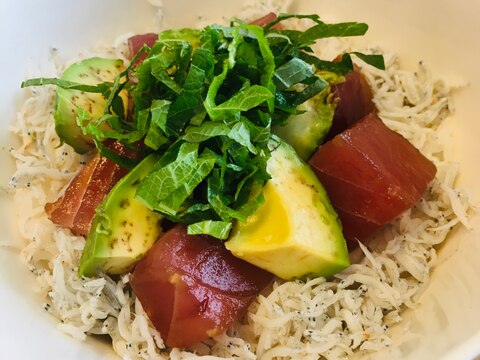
[206, 100]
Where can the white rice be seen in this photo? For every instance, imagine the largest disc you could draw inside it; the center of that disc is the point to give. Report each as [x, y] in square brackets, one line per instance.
[319, 318]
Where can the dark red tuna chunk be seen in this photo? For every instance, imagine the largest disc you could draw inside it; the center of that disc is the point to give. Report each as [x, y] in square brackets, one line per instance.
[354, 101]
[264, 20]
[136, 42]
[192, 288]
[372, 175]
[75, 209]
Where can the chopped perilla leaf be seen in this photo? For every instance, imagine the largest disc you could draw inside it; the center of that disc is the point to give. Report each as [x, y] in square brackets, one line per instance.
[218, 229]
[205, 101]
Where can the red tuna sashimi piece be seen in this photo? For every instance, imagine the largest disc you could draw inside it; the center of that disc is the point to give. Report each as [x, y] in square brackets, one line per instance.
[75, 209]
[354, 101]
[362, 196]
[192, 288]
[136, 42]
[372, 175]
[355, 227]
[264, 20]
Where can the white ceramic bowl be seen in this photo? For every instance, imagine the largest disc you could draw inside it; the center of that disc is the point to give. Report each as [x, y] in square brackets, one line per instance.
[444, 34]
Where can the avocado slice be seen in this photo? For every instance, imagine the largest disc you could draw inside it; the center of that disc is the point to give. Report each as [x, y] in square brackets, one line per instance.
[90, 71]
[123, 229]
[296, 232]
[306, 130]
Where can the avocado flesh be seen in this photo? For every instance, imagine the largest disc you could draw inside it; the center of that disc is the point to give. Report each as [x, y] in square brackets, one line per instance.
[90, 71]
[296, 232]
[123, 229]
[305, 131]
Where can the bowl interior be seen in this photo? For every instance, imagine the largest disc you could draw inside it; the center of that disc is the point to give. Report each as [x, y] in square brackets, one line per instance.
[442, 34]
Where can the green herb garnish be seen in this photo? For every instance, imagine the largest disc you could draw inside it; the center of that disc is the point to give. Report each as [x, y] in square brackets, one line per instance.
[206, 100]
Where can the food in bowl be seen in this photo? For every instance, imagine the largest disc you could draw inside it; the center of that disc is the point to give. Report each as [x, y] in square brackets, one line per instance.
[348, 313]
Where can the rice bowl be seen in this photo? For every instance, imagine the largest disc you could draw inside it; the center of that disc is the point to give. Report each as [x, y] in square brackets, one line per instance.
[460, 81]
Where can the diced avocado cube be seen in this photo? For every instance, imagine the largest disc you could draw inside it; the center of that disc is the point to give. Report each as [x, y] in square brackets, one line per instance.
[123, 229]
[296, 232]
[90, 71]
[305, 131]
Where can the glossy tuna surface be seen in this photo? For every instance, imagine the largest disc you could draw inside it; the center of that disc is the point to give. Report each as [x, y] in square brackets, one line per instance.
[192, 287]
[372, 175]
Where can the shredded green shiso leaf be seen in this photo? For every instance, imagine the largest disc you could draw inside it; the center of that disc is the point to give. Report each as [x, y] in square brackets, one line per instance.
[206, 101]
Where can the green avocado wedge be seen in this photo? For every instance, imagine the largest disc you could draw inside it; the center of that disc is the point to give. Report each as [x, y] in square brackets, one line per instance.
[123, 229]
[296, 233]
[90, 71]
[306, 130]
